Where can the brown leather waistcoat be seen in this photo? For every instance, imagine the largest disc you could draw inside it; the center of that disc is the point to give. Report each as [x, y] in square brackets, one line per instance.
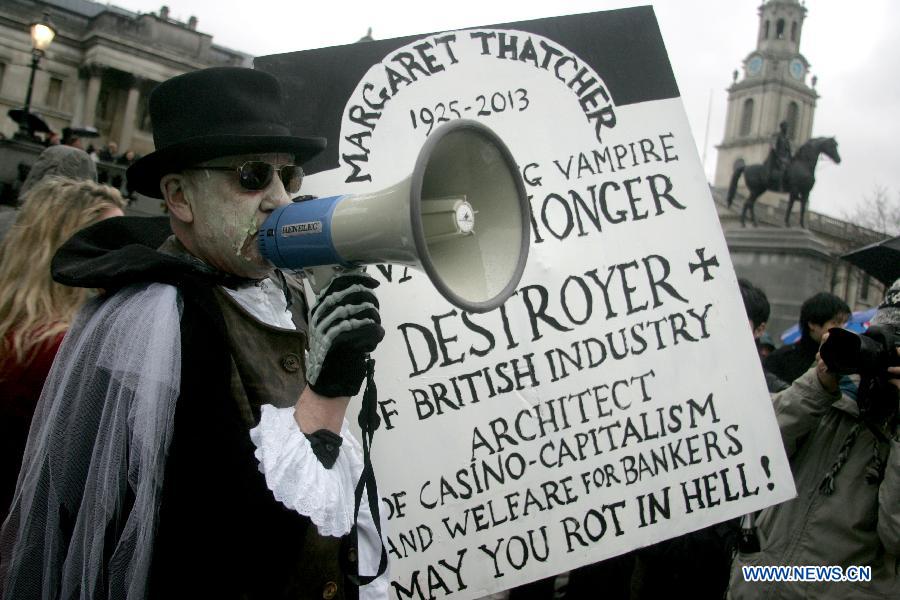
[269, 367]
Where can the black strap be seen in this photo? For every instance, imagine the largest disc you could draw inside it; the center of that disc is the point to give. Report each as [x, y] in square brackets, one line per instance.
[369, 421]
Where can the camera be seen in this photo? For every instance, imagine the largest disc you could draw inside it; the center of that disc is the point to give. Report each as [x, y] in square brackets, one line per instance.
[869, 355]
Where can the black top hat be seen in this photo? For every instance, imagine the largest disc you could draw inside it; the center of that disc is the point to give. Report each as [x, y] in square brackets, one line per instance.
[215, 112]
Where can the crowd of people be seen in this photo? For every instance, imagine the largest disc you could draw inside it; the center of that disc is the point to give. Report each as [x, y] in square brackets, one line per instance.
[173, 412]
[109, 153]
[81, 138]
[110, 164]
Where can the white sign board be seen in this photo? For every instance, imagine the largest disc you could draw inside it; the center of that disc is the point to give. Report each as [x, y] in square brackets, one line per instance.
[616, 399]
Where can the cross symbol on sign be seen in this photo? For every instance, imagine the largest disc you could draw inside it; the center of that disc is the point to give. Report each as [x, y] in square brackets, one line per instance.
[705, 264]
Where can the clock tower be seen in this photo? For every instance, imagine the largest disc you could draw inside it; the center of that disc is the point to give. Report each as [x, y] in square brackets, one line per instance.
[773, 89]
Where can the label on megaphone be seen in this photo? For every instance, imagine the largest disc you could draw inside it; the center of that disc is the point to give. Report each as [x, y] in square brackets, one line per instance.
[299, 235]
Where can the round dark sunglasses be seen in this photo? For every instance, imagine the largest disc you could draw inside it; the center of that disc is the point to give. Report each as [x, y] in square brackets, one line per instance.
[255, 175]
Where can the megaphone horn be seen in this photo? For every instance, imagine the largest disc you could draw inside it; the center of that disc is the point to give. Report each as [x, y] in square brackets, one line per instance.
[461, 217]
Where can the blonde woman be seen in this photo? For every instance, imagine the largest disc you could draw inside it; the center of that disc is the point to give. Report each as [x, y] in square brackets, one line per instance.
[35, 311]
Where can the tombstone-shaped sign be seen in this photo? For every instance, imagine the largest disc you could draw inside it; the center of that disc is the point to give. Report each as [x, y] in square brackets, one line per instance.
[616, 398]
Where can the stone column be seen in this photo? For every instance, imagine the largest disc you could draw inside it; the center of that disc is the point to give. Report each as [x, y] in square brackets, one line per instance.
[91, 96]
[127, 133]
[78, 100]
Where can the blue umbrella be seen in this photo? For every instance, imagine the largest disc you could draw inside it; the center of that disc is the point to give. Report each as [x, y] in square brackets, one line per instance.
[857, 323]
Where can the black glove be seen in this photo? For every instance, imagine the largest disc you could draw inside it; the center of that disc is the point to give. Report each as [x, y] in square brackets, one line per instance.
[344, 327]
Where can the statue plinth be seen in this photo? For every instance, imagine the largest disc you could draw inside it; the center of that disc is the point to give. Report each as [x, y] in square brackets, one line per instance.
[789, 264]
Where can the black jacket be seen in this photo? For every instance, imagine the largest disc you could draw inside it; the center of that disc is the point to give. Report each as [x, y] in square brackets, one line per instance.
[221, 533]
[791, 361]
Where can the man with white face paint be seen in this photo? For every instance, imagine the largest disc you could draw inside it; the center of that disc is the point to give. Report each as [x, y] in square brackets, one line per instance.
[190, 440]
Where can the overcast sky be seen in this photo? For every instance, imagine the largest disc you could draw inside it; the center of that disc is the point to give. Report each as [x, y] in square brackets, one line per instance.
[850, 45]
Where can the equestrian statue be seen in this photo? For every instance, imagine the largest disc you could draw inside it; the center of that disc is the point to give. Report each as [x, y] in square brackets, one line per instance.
[783, 173]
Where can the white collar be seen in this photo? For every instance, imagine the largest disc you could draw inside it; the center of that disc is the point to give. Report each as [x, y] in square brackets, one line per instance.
[265, 301]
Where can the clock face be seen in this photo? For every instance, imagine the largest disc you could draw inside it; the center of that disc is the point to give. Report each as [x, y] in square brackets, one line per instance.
[754, 65]
[796, 68]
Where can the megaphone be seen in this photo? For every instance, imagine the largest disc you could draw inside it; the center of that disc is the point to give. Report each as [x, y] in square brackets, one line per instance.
[461, 217]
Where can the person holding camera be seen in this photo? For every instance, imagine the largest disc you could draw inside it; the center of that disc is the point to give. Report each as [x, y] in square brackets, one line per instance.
[818, 314]
[845, 456]
[190, 441]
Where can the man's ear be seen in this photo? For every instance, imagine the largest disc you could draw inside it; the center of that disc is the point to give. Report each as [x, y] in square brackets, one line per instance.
[179, 205]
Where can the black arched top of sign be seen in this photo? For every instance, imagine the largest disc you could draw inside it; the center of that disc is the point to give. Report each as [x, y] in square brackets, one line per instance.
[623, 46]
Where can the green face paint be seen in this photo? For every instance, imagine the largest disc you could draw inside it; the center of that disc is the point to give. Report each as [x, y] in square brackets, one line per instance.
[226, 217]
[249, 234]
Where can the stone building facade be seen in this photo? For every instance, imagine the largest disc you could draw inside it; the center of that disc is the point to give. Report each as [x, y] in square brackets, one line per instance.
[101, 66]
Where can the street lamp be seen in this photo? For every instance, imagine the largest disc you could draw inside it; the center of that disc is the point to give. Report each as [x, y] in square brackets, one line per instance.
[42, 33]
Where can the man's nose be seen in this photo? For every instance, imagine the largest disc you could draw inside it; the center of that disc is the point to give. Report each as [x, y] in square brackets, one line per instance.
[275, 195]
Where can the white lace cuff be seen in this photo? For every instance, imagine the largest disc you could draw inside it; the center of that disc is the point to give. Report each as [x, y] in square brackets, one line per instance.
[296, 477]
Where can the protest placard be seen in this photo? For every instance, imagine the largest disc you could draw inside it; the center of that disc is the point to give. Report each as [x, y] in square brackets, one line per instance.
[616, 399]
